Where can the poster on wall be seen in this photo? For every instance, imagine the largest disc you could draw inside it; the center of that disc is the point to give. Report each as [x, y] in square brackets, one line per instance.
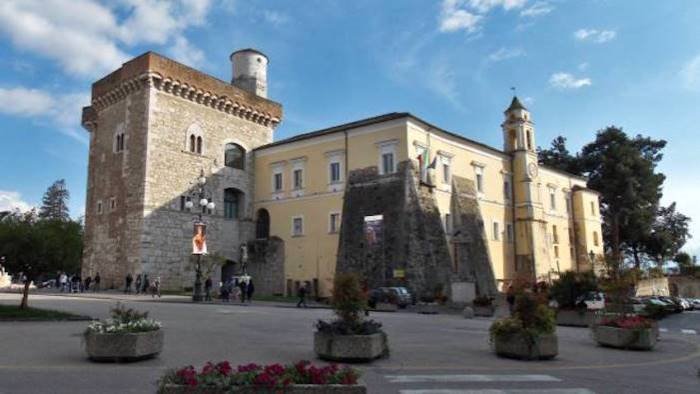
[374, 229]
[199, 240]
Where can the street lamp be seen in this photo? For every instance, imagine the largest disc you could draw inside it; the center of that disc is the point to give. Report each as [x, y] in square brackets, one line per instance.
[198, 193]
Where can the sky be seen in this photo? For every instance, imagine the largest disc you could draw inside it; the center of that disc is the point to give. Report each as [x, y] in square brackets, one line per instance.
[579, 66]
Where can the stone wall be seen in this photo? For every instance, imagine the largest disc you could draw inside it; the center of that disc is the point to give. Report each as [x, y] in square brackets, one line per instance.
[413, 237]
[471, 253]
[266, 265]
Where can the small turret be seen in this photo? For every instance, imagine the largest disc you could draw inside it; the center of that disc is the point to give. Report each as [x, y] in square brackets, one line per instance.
[249, 69]
[518, 130]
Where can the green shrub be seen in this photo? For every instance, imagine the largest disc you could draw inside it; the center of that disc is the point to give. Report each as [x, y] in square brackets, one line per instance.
[572, 285]
[530, 318]
[348, 300]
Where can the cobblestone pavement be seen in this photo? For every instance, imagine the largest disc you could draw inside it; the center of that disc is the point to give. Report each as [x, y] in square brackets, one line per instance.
[430, 354]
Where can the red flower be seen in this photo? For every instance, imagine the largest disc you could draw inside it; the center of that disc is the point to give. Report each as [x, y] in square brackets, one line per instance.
[188, 375]
[224, 368]
[264, 379]
[274, 369]
[252, 367]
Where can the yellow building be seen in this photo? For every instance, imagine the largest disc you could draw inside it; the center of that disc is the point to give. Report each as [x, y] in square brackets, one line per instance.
[537, 221]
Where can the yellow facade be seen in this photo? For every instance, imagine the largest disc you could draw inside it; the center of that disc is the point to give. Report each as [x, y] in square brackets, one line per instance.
[543, 217]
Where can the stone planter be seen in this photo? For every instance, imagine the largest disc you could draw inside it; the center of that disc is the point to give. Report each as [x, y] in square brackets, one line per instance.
[293, 389]
[350, 348]
[623, 338]
[123, 347]
[386, 307]
[517, 346]
[427, 308]
[574, 317]
[484, 310]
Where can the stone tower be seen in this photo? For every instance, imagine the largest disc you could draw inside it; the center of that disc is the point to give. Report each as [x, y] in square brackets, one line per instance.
[531, 253]
[250, 71]
[155, 125]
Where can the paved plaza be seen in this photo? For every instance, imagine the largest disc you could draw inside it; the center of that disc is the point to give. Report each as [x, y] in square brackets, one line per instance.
[430, 354]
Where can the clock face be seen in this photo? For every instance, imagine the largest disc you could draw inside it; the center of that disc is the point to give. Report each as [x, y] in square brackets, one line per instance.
[532, 170]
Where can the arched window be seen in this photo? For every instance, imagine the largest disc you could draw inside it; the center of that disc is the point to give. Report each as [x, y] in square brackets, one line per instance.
[262, 224]
[192, 143]
[233, 199]
[595, 238]
[199, 145]
[234, 156]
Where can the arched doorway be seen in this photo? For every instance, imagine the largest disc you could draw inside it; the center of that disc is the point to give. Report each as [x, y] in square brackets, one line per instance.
[228, 270]
[262, 224]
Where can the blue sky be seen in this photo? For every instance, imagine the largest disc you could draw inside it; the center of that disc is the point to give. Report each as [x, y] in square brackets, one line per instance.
[578, 65]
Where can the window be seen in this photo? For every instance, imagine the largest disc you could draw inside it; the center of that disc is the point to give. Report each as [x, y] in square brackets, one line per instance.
[479, 179]
[298, 179]
[262, 224]
[232, 200]
[448, 223]
[571, 236]
[112, 204]
[509, 233]
[552, 199]
[334, 222]
[234, 156]
[555, 235]
[567, 196]
[297, 226]
[119, 142]
[199, 145]
[335, 172]
[183, 202]
[496, 231]
[592, 208]
[445, 173]
[387, 163]
[556, 251]
[506, 190]
[595, 238]
[529, 139]
[193, 143]
[99, 207]
[277, 181]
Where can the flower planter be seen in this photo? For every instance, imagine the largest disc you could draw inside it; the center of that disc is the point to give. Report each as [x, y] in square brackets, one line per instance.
[545, 346]
[292, 389]
[625, 338]
[484, 310]
[123, 347]
[427, 308]
[386, 307]
[574, 317]
[350, 348]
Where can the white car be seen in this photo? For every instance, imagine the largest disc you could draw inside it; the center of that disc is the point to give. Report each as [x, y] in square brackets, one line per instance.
[594, 300]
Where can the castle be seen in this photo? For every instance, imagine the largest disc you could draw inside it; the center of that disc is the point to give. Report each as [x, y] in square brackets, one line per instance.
[394, 197]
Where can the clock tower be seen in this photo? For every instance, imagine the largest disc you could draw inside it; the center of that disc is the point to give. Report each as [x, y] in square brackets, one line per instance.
[531, 255]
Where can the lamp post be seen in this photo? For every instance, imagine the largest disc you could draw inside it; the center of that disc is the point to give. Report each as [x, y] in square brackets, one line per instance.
[199, 194]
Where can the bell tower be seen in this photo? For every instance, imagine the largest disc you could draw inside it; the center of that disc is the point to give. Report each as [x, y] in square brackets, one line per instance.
[531, 252]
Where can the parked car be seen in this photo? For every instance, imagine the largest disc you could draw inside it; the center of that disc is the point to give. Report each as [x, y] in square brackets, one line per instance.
[673, 301]
[696, 303]
[594, 300]
[404, 296]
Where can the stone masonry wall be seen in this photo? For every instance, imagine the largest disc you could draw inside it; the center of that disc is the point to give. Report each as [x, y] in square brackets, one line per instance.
[472, 259]
[266, 265]
[414, 239]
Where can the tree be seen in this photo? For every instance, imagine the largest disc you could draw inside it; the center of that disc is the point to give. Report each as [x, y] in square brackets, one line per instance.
[54, 204]
[685, 263]
[558, 156]
[622, 169]
[669, 233]
[36, 247]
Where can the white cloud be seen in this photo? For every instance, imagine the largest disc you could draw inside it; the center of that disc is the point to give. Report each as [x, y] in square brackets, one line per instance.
[275, 18]
[690, 74]
[442, 81]
[467, 15]
[583, 66]
[11, 200]
[537, 9]
[563, 80]
[593, 35]
[61, 110]
[184, 52]
[505, 54]
[88, 38]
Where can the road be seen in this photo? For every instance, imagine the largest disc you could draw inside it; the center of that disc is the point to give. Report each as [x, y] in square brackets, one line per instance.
[430, 354]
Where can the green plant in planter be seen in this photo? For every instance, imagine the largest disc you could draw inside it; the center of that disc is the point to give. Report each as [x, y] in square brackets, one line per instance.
[570, 286]
[349, 303]
[530, 318]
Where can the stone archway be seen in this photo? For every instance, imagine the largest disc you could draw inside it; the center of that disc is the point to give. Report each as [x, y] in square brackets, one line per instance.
[262, 224]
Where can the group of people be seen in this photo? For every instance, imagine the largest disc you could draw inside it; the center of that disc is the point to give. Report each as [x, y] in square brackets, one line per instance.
[237, 288]
[143, 285]
[75, 284]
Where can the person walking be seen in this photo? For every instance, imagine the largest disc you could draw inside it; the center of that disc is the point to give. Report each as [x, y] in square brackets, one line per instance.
[146, 284]
[62, 281]
[510, 298]
[97, 282]
[250, 290]
[156, 288]
[226, 291]
[207, 289]
[235, 290]
[138, 283]
[243, 286]
[129, 280]
[88, 280]
[301, 293]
